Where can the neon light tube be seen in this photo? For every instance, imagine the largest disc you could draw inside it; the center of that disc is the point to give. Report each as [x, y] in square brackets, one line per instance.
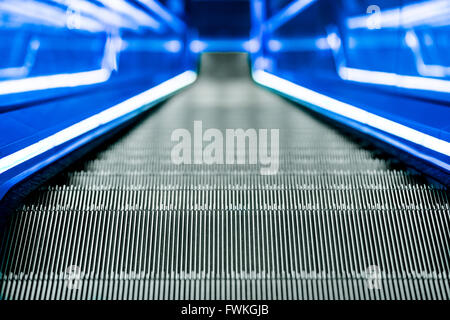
[65, 80]
[172, 20]
[131, 11]
[287, 13]
[434, 13]
[24, 70]
[154, 94]
[327, 103]
[428, 70]
[48, 15]
[102, 14]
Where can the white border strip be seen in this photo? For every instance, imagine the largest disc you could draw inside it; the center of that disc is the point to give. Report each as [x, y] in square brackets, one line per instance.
[110, 114]
[351, 112]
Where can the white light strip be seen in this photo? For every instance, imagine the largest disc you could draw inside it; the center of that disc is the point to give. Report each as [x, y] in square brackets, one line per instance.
[14, 72]
[82, 127]
[171, 19]
[393, 79]
[102, 14]
[426, 70]
[64, 80]
[46, 14]
[127, 9]
[351, 112]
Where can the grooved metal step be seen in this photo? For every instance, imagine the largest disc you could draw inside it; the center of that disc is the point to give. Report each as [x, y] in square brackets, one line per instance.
[140, 227]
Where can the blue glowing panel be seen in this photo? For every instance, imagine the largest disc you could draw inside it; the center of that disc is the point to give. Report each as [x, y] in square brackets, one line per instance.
[381, 67]
[224, 19]
[72, 70]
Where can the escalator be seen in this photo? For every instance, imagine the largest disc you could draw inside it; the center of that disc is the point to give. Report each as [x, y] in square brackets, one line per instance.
[339, 220]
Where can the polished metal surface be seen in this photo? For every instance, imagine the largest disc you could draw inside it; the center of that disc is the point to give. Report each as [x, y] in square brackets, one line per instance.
[138, 226]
